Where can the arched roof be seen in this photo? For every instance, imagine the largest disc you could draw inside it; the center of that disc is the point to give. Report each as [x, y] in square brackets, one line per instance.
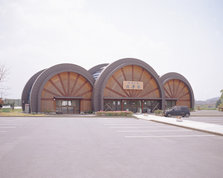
[100, 83]
[96, 70]
[173, 75]
[27, 89]
[39, 83]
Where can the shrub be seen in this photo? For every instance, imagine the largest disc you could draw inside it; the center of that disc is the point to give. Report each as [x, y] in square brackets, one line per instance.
[6, 110]
[114, 113]
[158, 112]
[220, 107]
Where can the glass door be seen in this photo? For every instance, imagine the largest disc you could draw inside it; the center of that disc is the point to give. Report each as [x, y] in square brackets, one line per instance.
[68, 106]
[149, 106]
[112, 105]
[132, 105]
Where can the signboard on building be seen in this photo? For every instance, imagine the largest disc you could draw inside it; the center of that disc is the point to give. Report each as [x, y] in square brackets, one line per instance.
[132, 85]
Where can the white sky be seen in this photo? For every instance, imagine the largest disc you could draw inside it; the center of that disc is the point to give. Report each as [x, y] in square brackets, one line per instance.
[183, 36]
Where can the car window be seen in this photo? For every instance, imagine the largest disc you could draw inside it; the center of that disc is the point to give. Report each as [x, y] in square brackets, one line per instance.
[179, 108]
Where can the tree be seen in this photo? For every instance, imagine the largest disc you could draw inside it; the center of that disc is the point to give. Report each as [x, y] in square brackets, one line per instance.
[3, 73]
[221, 95]
[219, 103]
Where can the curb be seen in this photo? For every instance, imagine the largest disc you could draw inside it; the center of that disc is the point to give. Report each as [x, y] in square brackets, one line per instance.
[187, 127]
[196, 129]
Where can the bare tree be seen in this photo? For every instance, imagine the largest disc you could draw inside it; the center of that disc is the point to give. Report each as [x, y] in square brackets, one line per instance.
[3, 74]
[221, 98]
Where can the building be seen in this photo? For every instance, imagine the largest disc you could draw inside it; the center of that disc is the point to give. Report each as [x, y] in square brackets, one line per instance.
[126, 84]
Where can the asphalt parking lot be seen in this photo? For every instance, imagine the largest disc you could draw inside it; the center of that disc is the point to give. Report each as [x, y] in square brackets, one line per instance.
[105, 147]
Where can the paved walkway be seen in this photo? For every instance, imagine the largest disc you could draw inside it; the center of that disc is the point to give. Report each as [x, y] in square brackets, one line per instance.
[201, 126]
[206, 113]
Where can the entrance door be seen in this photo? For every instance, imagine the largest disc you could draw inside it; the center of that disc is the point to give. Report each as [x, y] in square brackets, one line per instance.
[68, 106]
[170, 103]
[151, 105]
[132, 105]
[112, 105]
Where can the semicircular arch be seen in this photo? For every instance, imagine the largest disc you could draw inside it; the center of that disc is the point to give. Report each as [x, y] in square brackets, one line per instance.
[62, 79]
[123, 70]
[176, 87]
[26, 90]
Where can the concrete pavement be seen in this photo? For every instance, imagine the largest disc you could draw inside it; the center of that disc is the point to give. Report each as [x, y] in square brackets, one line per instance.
[206, 113]
[201, 126]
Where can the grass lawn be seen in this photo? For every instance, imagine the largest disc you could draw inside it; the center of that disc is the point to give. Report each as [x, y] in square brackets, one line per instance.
[7, 112]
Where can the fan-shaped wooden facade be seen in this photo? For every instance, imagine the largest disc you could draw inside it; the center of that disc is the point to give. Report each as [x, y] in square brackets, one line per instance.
[146, 97]
[126, 84]
[66, 92]
[114, 87]
[177, 90]
[177, 93]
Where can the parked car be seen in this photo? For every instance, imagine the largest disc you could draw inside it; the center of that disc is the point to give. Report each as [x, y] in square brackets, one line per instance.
[183, 111]
[1, 103]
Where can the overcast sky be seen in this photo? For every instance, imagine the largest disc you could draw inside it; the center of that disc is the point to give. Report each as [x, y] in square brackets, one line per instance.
[184, 36]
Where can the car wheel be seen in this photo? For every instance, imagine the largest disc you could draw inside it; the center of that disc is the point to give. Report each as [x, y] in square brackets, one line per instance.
[187, 115]
[169, 115]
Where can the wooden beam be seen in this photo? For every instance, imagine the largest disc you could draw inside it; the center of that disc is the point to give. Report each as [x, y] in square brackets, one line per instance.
[84, 93]
[184, 95]
[167, 92]
[174, 89]
[144, 87]
[80, 88]
[150, 92]
[47, 99]
[68, 84]
[146, 84]
[86, 99]
[123, 73]
[75, 83]
[168, 83]
[184, 100]
[48, 91]
[177, 87]
[52, 83]
[113, 77]
[62, 84]
[140, 78]
[115, 92]
[182, 90]
[132, 91]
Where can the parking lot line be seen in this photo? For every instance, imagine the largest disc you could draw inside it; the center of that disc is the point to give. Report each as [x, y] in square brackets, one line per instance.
[2, 131]
[7, 124]
[137, 127]
[125, 124]
[167, 136]
[7, 127]
[139, 131]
